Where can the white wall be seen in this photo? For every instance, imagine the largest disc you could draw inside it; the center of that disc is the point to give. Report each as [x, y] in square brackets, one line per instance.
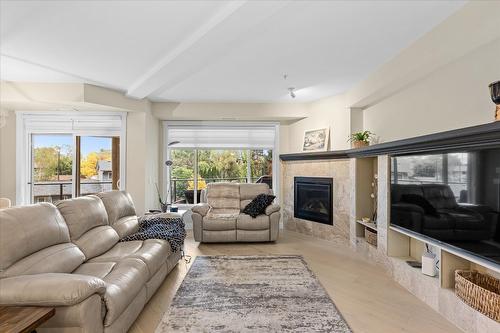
[153, 162]
[329, 112]
[143, 159]
[438, 83]
[453, 96]
[8, 158]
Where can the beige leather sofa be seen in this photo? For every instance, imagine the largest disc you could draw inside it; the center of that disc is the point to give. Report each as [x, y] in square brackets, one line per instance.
[220, 219]
[69, 257]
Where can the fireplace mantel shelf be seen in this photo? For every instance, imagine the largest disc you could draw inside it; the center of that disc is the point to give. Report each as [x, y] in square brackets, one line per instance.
[475, 136]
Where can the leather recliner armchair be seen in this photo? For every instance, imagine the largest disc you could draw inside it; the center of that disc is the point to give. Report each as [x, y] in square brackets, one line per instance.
[220, 219]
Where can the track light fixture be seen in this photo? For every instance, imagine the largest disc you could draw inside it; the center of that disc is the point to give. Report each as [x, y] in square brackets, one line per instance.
[291, 90]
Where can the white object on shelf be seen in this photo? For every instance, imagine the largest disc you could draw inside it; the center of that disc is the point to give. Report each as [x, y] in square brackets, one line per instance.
[370, 225]
[429, 264]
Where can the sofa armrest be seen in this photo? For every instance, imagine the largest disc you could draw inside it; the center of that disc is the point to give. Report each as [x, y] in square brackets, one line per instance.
[201, 208]
[272, 209]
[49, 289]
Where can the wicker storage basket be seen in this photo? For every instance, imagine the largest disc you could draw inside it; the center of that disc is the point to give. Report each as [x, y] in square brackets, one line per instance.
[371, 236]
[480, 291]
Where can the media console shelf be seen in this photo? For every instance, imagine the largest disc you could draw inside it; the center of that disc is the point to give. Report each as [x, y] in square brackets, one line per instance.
[365, 186]
[451, 257]
[369, 225]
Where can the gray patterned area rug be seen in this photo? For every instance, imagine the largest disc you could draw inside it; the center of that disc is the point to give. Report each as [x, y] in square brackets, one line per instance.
[251, 294]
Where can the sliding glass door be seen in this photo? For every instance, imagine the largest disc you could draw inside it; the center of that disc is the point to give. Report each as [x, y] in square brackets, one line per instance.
[66, 165]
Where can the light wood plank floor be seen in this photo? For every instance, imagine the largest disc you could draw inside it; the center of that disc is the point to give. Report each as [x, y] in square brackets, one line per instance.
[368, 298]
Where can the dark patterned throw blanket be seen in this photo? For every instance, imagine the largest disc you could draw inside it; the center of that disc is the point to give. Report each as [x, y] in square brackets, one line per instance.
[158, 227]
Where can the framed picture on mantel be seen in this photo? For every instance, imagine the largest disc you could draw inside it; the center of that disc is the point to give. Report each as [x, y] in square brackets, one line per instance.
[316, 140]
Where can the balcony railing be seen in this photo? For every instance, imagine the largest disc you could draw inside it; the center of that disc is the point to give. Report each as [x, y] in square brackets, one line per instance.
[54, 191]
[181, 193]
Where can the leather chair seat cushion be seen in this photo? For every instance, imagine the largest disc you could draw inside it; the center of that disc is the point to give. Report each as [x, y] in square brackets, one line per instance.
[218, 224]
[124, 280]
[153, 252]
[246, 222]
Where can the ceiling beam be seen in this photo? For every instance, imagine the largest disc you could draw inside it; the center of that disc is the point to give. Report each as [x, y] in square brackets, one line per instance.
[59, 71]
[211, 40]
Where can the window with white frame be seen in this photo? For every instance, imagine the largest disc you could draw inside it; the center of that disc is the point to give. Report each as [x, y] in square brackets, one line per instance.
[61, 155]
[198, 153]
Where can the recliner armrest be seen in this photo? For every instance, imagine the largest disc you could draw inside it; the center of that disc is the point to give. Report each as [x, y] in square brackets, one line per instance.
[201, 208]
[477, 208]
[49, 289]
[272, 209]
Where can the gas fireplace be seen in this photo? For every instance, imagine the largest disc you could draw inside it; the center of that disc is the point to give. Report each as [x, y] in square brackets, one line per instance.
[313, 199]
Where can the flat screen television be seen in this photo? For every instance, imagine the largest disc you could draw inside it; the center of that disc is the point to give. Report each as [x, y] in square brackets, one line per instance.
[452, 197]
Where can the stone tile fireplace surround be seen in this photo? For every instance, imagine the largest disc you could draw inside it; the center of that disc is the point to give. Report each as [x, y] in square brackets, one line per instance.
[338, 170]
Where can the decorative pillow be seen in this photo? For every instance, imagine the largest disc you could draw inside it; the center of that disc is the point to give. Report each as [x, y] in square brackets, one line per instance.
[419, 200]
[258, 205]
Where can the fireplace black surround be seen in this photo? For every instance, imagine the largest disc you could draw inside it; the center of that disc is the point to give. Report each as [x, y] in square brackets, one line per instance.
[313, 199]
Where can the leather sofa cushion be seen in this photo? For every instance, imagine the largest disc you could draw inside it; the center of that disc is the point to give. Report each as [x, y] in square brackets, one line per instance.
[223, 195]
[218, 224]
[250, 191]
[244, 203]
[124, 280]
[126, 225]
[153, 252]
[97, 241]
[246, 222]
[28, 229]
[60, 258]
[82, 214]
[121, 212]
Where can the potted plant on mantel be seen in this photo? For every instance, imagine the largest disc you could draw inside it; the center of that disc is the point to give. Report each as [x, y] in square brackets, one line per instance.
[361, 139]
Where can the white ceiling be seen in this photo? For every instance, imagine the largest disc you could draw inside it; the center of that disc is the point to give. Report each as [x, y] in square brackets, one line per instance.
[210, 50]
